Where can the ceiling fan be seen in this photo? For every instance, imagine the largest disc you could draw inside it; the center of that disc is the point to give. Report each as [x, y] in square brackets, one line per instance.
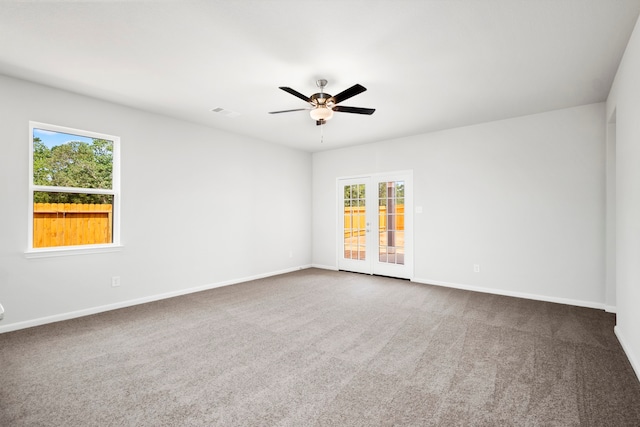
[323, 104]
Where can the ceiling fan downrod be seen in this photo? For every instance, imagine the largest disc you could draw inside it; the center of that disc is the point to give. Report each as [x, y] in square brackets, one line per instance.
[322, 103]
[321, 83]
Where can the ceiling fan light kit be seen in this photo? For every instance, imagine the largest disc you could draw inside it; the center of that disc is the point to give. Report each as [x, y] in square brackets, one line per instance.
[322, 105]
[321, 113]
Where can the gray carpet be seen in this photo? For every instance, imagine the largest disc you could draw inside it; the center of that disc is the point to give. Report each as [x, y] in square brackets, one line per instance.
[322, 348]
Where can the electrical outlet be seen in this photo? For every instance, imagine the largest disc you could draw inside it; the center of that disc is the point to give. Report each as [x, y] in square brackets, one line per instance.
[476, 268]
[115, 281]
[290, 254]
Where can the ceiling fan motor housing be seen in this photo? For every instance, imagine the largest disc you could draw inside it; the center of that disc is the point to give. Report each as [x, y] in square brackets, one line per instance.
[320, 99]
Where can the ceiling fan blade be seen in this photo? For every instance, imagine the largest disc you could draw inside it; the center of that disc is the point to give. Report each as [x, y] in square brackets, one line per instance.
[296, 93]
[356, 110]
[348, 93]
[288, 111]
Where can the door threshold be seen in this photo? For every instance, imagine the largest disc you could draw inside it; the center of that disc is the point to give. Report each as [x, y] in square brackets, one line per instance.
[377, 275]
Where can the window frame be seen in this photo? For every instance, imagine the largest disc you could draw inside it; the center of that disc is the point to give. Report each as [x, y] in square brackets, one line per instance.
[115, 245]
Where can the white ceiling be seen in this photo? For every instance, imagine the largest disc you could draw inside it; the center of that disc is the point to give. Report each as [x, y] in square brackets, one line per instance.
[427, 64]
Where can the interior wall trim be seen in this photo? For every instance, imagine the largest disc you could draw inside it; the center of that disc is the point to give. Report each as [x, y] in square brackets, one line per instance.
[122, 304]
[325, 267]
[567, 301]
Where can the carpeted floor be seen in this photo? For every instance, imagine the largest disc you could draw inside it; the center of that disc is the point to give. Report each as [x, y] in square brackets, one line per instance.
[322, 348]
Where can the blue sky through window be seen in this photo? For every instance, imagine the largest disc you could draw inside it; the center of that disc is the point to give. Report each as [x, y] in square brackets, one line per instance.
[51, 138]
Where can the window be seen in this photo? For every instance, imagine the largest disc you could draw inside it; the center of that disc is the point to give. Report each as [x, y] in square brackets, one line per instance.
[74, 191]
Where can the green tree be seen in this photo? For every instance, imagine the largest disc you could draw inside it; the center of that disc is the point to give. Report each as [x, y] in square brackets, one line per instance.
[398, 193]
[73, 164]
[354, 195]
[41, 159]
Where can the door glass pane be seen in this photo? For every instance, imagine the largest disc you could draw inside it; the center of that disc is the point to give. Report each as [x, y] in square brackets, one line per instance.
[355, 222]
[391, 222]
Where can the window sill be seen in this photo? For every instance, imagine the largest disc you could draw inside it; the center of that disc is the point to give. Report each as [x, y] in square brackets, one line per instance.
[71, 250]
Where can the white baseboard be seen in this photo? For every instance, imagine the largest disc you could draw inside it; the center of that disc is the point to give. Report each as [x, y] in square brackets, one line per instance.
[635, 362]
[325, 267]
[579, 303]
[99, 309]
[610, 308]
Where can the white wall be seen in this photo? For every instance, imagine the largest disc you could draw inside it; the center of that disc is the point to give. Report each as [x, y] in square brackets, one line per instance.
[610, 209]
[523, 197]
[624, 102]
[200, 208]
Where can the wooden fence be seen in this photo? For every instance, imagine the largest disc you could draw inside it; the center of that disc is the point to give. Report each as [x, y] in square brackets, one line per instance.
[68, 224]
[355, 220]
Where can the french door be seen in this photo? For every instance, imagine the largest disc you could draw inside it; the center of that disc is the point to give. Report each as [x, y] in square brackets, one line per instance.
[375, 225]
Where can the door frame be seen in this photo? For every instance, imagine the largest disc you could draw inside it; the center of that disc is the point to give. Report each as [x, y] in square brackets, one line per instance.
[374, 266]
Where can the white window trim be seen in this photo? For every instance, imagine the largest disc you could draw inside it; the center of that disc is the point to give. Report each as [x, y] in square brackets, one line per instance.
[53, 251]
